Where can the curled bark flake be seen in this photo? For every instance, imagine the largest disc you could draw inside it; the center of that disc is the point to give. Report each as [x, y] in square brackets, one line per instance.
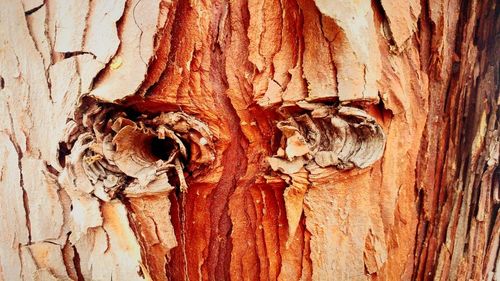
[112, 152]
[342, 137]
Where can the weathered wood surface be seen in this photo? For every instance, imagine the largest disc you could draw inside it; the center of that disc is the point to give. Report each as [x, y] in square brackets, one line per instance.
[275, 116]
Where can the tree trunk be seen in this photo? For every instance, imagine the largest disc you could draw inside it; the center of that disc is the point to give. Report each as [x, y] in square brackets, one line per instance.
[249, 140]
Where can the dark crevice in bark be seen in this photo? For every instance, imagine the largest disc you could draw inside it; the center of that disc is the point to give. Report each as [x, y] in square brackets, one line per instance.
[386, 28]
[68, 256]
[77, 53]
[31, 11]
[424, 36]
[26, 205]
[76, 262]
[51, 169]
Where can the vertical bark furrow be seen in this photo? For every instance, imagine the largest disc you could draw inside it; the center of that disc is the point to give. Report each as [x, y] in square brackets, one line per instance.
[460, 210]
[220, 245]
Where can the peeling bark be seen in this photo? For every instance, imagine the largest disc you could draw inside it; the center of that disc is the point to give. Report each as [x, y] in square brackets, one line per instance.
[252, 139]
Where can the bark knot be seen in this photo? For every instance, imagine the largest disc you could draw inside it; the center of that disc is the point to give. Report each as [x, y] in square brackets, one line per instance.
[112, 150]
[343, 137]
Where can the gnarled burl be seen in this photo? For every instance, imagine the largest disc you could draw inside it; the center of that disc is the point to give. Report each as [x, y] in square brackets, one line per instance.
[249, 140]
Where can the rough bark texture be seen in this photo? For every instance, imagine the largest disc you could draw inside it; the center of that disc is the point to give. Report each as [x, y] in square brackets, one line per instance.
[249, 140]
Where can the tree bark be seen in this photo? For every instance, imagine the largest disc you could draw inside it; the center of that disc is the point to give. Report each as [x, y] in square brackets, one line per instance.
[249, 140]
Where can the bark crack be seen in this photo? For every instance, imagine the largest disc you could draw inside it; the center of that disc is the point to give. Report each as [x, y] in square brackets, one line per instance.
[13, 140]
[142, 32]
[31, 11]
